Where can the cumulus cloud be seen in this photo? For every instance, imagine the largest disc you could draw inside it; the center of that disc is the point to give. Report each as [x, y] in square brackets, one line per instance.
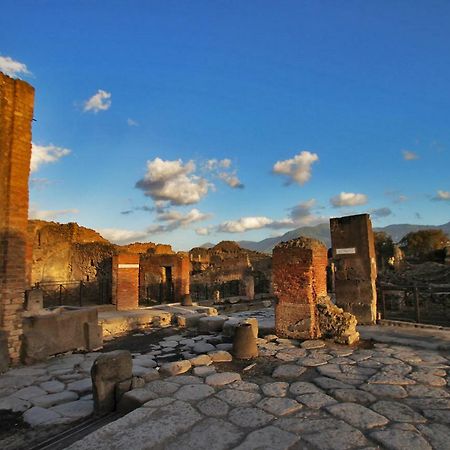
[54, 214]
[302, 215]
[173, 220]
[381, 212]
[409, 155]
[203, 231]
[221, 168]
[298, 168]
[348, 199]
[45, 154]
[231, 179]
[173, 181]
[244, 224]
[101, 101]
[132, 123]
[12, 68]
[123, 236]
[442, 196]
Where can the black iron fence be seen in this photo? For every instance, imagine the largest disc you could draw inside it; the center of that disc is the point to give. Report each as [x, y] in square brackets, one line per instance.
[75, 293]
[201, 291]
[421, 304]
[157, 293]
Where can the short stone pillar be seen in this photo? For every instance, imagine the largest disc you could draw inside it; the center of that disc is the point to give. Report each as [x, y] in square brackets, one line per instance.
[247, 287]
[355, 266]
[299, 279]
[125, 281]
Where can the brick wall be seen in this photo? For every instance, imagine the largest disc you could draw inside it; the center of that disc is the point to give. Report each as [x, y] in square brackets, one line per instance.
[355, 266]
[299, 278]
[16, 114]
[125, 281]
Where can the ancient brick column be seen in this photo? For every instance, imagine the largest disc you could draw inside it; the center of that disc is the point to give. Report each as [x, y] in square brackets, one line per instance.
[125, 281]
[16, 115]
[299, 279]
[355, 266]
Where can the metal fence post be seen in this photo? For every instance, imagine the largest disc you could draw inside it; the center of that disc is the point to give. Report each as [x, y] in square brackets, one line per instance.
[417, 305]
[81, 293]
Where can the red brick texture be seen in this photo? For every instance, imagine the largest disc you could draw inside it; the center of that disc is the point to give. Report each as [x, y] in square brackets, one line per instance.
[16, 115]
[299, 279]
[125, 281]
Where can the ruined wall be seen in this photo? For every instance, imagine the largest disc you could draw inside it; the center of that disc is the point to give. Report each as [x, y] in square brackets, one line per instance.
[16, 115]
[355, 266]
[299, 279]
[125, 281]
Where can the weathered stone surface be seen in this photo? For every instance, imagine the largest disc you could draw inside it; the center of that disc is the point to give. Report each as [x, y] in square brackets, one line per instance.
[158, 402]
[143, 427]
[133, 399]
[312, 344]
[201, 360]
[222, 378]
[395, 374]
[303, 387]
[279, 406]
[162, 388]
[38, 416]
[439, 415]
[398, 412]
[288, 372]
[145, 361]
[268, 438]
[277, 389]
[396, 439]
[316, 400]
[204, 371]
[29, 392]
[184, 379]
[250, 417]
[53, 386]
[203, 347]
[419, 390]
[427, 378]
[357, 415]
[243, 386]
[436, 434]
[191, 392]
[213, 407]
[45, 401]
[107, 370]
[14, 404]
[385, 390]
[220, 356]
[238, 398]
[81, 386]
[211, 433]
[79, 409]
[313, 361]
[330, 383]
[211, 323]
[175, 368]
[353, 395]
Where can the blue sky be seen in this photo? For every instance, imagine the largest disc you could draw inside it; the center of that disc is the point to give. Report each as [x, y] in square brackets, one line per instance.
[186, 122]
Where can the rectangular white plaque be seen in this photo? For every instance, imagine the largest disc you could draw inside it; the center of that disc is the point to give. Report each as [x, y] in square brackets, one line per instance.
[128, 266]
[346, 251]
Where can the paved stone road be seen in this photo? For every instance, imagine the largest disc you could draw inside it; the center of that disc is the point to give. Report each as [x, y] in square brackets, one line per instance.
[312, 395]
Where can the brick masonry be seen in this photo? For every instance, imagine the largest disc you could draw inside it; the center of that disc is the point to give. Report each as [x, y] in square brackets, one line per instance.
[355, 266]
[16, 115]
[299, 279]
[125, 281]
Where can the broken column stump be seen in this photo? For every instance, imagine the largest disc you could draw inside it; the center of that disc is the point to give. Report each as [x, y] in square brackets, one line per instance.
[109, 370]
[299, 278]
[244, 342]
[355, 266]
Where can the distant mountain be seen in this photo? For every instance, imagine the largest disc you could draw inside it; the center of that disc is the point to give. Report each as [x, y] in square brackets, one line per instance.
[322, 232]
[207, 245]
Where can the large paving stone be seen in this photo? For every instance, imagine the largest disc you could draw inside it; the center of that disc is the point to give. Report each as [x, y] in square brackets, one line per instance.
[313, 344]
[201, 360]
[48, 400]
[184, 379]
[29, 392]
[78, 409]
[213, 407]
[238, 398]
[279, 406]
[162, 388]
[353, 395]
[398, 412]
[38, 416]
[385, 390]
[268, 438]
[421, 391]
[14, 404]
[135, 398]
[436, 434]
[243, 386]
[288, 372]
[209, 434]
[16, 381]
[143, 428]
[222, 378]
[329, 383]
[303, 387]
[277, 389]
[357, 415]
[204, 371]
[220, 356]
[146, 361]
[316, 400]
[428, 378]
[193, 392]
[393, 375]
[203, 347]
[250, 417]
[53, 386]
[396, 439]
[175, 368]
[83, 386]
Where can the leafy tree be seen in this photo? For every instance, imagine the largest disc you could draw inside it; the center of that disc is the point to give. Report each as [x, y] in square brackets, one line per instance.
[424, 244]
[384, 248]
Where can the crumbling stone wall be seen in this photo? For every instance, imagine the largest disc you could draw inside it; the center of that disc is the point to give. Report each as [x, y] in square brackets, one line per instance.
[16, 115]
[355, 266]
[299, 279]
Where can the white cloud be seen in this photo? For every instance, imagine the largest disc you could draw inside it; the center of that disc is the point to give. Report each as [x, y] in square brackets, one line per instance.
[173, 181]
[302, 215]
[132, 123]
[203, 231]
[50, 214]
[231, 179]
[221, 168]
[348, 199]
[122, 236]
[381, 212]
[45, 154]
[298, 168]
[244, 224]
[12, 68]
[409, 155]
[101, 101]
[442, 196]
[174, 219]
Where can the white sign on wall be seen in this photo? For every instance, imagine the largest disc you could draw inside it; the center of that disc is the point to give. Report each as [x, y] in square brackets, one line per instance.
[346, 251]
[128, 266]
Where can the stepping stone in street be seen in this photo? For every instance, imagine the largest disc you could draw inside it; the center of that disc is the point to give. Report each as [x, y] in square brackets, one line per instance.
[357, 415]
[279, 406]
[243, 386]
[288, 372]
[250, 417]
[135, 398]
[329, 383]
[419, 390]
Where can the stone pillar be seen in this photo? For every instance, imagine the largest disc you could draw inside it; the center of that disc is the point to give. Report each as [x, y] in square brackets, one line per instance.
[299, 279]
[16, 115]
[125, 281]
[355, 266]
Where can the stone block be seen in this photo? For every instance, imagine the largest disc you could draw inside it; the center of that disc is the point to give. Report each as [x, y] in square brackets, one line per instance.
[34, 300]
[108, 370]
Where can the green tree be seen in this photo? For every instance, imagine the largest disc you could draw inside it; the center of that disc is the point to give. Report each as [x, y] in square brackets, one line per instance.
[424, 244]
